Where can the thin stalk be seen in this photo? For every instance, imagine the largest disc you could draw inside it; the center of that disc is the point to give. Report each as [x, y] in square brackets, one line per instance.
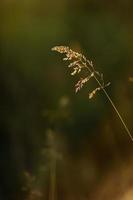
[53, 178]
[52, 161]
[112, 103]
[119, 115]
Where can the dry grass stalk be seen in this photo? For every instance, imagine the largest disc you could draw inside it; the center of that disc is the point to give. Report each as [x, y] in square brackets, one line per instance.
[78, 62]
[52, 163]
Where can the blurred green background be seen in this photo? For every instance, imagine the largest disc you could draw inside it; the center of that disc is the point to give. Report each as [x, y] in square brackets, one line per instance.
[38, 97]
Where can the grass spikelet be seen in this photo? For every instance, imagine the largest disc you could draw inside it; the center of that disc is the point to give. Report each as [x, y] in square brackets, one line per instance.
[79, 62]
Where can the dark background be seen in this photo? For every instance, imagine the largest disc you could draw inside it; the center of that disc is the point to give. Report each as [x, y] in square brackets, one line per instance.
[37, 96]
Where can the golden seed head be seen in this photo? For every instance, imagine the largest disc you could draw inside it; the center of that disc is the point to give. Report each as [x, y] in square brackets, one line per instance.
[61, 49]
[70, 54]
[78, 62]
